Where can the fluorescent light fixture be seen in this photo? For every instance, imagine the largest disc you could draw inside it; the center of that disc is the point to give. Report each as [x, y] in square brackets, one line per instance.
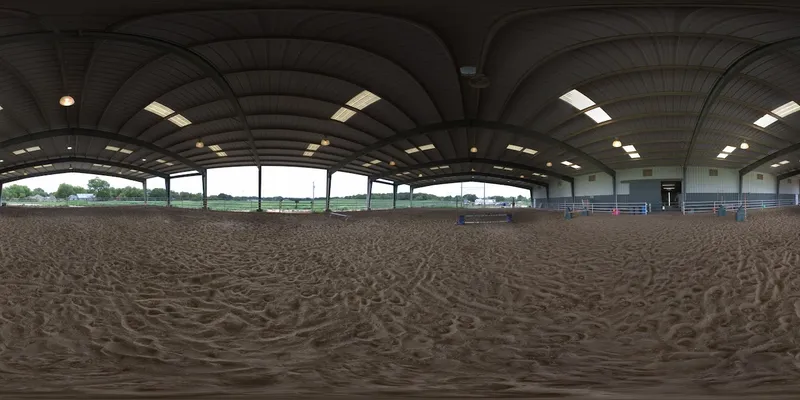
[215, 147]
[406, 173]
[362, 100]
[32, 149]
[575, 166]
[497, 167]
[514, 147]
[567, 163]
[444, 167]
[47, 165]
[577, 99]
[106, 166]
[508, 169]
[784, 162]
[112, 148]
[375, 162]
[343, 114]
[366, 164]
[427, 147]
[629, 148]
[308, 153]
[722, 155]
[775, 165]
[126, 151]
[96, 165]
[729, 149]
[412, 150]
[160, 161]
[222, 154]
[786, 109]
[398, 174]
[529, 151]
[765, 121]
[170, 164]
[132, 170]
[159, 109]
[312, 147]
[18, 152]
[634, 155]
[37, 166]
[434, 168]
[598, 115]
[180, 120]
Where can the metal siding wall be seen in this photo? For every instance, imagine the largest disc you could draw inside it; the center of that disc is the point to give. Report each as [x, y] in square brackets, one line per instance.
[602, 186]
[539, 192]
[790, 188]
[634, 174]
[752, 185]
[699, 181]
[556, 191]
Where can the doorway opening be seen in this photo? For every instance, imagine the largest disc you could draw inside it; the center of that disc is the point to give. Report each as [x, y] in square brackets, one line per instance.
[671, 195]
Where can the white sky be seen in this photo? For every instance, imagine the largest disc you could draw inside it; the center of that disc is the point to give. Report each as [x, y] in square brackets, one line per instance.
[276, 181]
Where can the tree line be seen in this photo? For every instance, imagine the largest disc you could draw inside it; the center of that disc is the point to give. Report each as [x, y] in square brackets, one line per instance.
[103, 190]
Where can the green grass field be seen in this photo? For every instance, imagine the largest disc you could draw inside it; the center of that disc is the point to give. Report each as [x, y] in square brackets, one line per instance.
[251, 205]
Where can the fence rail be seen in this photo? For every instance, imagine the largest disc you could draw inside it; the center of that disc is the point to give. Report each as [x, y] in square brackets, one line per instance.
[699, 207]
[639, 208]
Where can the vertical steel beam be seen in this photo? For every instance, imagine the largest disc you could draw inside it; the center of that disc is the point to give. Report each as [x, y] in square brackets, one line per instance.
[144, 188]
[411, 197]
[328, 181]
[533, 202]
[169, 197]
[369, 194]
[259, 189]
[394, 196]
[204, 178]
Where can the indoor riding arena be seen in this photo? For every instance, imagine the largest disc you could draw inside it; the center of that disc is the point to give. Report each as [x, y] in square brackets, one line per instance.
[655, 254]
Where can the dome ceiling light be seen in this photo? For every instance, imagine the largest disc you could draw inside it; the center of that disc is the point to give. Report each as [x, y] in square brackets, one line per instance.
[199, 144]
[616, 143]
[744, 146]
[66, 101]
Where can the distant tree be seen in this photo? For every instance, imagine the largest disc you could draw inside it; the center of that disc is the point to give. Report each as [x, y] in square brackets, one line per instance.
[521, 198]
[158, 193]
[39, 192]
[223, 196]
[64, 191]
[16, 191]
[470, 197]
[96, 184]
[131, 192]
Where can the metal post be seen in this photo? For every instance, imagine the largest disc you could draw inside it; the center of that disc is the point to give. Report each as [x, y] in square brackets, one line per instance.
[144, 188]
[169, 197]
[204, 178]
[328, 191]
[1, 191]
[369, 194]
[259, 189]
[684, 191]
[777, 191]
[741, 186]
[547, 193]
[411, 197]
[572, 189]
[394, 197]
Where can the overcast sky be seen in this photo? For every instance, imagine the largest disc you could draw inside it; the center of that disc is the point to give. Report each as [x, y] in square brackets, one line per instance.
[277, 181]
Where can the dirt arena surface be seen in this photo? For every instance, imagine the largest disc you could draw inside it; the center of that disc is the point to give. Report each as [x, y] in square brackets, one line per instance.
[157, 303]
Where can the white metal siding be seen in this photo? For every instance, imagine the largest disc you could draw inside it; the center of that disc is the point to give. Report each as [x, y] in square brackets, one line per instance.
[559, 188]
[539, 192]
[790, 188]
[601, 186]
[753, 185]
[698, 180]
[633, 174]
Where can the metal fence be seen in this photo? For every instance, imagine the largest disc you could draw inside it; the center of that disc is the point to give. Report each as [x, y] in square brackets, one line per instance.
[251, 205]
[699, 207]
[640, 208]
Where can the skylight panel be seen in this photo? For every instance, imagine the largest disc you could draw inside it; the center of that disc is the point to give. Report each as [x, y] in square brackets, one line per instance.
[96, 165]
[575, 166]
[629, 148]
[722, 155]
[444, 167]
[375, 162]
[18, 152]
[308, 153]
[32, 149]
[784, 162]
[775, 165]
[126, 151]
[222, 154]
[313, 147]
[159, 109]
[106, 166]
[362, 100]
[786, 109]
[634, 155]
[47, 165]
[507, 169]
[434, 168]
[37, 166]
[497, 167]
[729, 149]
[427, 147]
[169, 164]
[567, 163]
[215, 147]
[160, 161]
[180, 120]
[412, 150]
[598, 115]
[366, 165]
[529, 151]
[112, 148]
[765, 121]
[577, 99]
[343, 114]
[514, 147]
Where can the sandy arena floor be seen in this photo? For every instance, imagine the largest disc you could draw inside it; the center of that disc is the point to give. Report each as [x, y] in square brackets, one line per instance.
[156, 302]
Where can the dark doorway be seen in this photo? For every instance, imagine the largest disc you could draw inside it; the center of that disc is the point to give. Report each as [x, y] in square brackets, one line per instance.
[648, 191]
[671, 195]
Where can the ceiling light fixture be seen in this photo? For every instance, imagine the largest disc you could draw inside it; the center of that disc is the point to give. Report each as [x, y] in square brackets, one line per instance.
[362, 100]
[66, 101]
[325, 142]
[215, 147]
[765, 121]
[722, 155]
[744, 146]
[199, 144]
[392, 163]
[786, 109]
[598, 115]
[473, 149]
[159, 109]
[343, 114]
[549, 164]
[616, 143]
[634, 155]
[69, 147]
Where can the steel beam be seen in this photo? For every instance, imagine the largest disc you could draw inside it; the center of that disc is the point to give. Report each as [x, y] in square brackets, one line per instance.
[168, 188]
[77, 170]
[328, 180]
[486, 161]
[31, 164]
[259, 189]
[470, 176]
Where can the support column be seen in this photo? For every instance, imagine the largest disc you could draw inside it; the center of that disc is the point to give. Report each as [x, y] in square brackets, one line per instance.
[394, 197]
[369, 194]
[777, 191]
[741, 185]
[259, 190]
[328, 180]
[204, 178]
[411, 197]
[533, 200]
[684, 190]
[144, 188]
[572, 189]
[547, 193]
[1, 191]
[169, 196]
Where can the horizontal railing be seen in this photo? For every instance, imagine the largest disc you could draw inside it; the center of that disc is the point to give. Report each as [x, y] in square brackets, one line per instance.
[639, 208]
[699, 207]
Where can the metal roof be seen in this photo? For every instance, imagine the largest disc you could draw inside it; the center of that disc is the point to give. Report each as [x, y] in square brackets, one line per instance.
[263, 80]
